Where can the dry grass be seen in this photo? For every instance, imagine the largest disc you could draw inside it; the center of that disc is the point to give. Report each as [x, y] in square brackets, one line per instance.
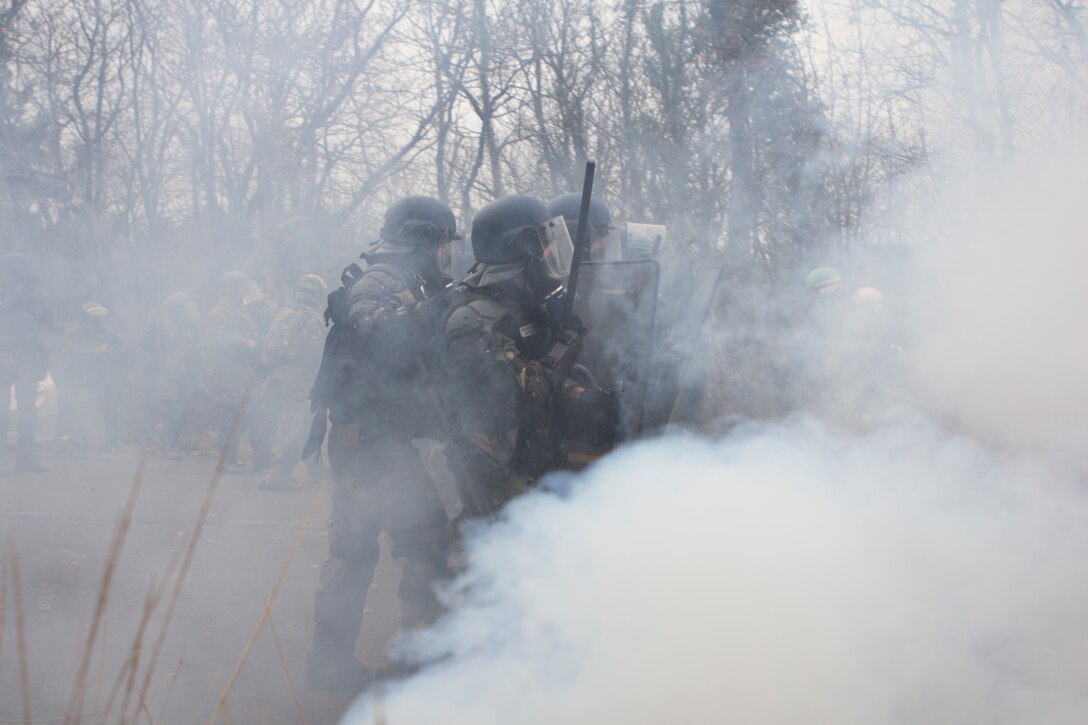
[12, 570]
[133, 700]
[129, 689]
[286, 670]
[3, 600]
[74, 711]
[265, 613]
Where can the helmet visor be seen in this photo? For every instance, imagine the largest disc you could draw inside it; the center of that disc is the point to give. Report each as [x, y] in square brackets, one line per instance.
[558, 250]
[449, 258]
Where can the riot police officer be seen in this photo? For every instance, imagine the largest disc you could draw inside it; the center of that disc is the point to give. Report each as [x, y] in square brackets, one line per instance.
[508, 353]
[369, 383]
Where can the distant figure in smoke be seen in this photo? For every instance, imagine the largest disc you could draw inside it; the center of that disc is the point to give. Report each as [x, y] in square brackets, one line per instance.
[289, 358]
[504, 399]
[846, 368]
[26, 339]
[259, 308]
[371, 386]
[807, 356]
[90, 359]
[870, 365]
[231, 357]
[177, 352]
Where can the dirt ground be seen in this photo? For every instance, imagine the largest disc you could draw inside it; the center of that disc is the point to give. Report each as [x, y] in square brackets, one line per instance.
[60, 525]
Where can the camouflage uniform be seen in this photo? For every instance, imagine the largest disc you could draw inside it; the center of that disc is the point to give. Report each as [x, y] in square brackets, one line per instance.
[485, 390]
[289, 357]
[504, 407]
[513, 388]
[230, 356]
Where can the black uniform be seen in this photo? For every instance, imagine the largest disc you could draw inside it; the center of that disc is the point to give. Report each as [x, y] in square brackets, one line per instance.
[372, 385]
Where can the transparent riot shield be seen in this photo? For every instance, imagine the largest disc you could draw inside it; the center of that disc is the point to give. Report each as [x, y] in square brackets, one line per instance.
[617, 302]
[676, 347]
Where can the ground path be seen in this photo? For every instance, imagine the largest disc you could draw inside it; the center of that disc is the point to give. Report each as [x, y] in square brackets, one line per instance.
[61, 524]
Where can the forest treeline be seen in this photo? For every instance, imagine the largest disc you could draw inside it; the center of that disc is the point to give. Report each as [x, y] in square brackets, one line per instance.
[146, 146]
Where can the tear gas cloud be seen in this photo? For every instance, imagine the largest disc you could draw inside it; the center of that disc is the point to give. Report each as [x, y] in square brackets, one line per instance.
[787, 574]
[925, 570]
[1001, 340]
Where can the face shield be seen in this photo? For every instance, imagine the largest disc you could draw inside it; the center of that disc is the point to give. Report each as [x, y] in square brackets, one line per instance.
[449, 257]
[549, 244]
[552, 247]
[551, 252]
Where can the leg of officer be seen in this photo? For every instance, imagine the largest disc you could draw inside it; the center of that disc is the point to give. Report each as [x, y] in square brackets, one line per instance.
[345, 578]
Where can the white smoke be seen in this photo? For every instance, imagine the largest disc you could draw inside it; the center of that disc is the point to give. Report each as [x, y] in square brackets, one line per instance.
[787, 574]
[1003, 349]
[919, 573]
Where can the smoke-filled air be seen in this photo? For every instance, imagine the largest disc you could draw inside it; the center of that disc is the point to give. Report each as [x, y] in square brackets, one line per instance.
[543, 361]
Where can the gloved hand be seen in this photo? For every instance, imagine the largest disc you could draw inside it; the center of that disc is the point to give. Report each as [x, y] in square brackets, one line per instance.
[536, 383]
[594, 417]
[581, 374]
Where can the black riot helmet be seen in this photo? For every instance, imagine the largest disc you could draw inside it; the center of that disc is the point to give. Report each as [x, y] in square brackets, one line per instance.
[514, 234]
[415, 223]
[500, 227]
[568, 206]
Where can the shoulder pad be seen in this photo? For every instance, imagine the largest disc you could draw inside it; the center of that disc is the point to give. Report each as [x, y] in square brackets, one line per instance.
[350, 275]
[488, 309]
[474, 315]
[387, 271]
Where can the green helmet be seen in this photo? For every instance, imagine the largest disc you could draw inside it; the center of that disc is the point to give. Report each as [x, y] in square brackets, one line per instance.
[824, 280]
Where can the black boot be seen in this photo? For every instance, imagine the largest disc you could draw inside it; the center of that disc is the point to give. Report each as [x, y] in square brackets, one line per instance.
[332, 667]
[338, 675]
